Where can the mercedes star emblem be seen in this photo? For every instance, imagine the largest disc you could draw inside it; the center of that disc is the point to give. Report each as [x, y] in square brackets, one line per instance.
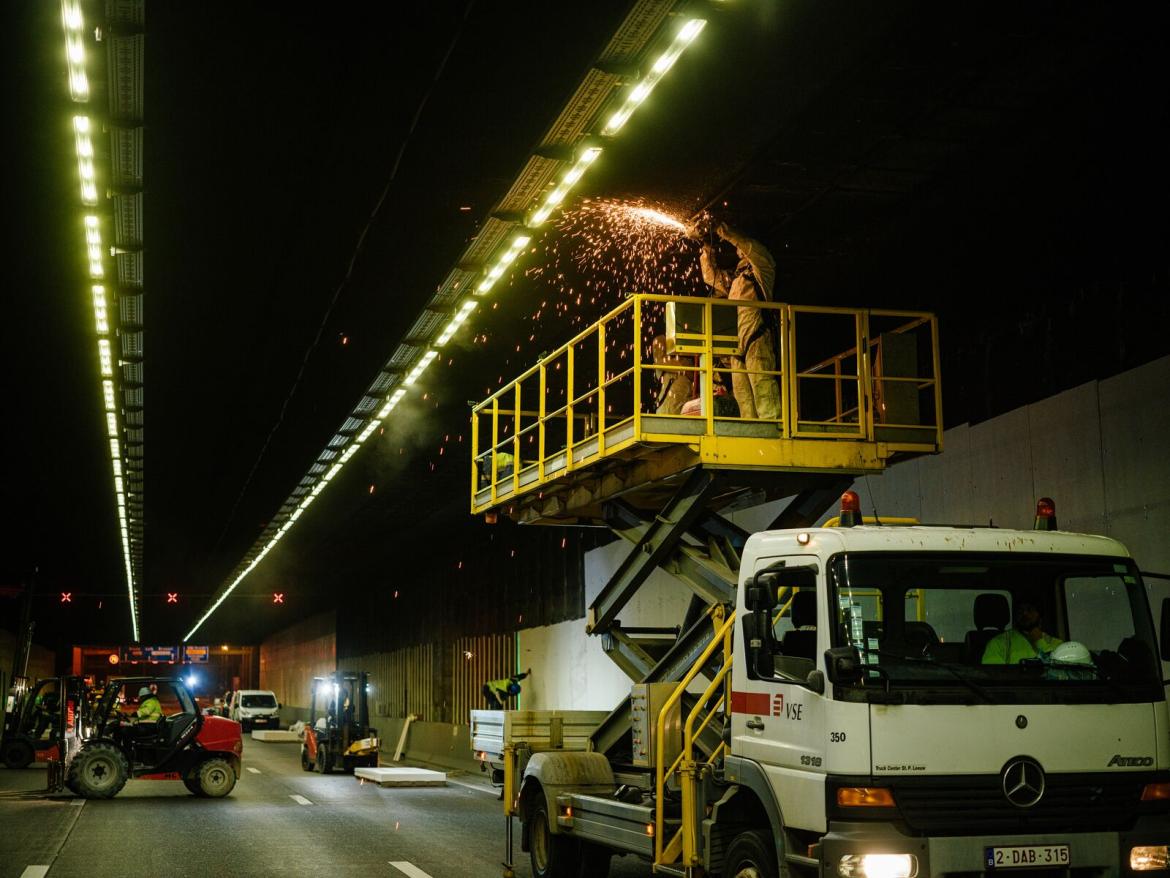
[1023, 782]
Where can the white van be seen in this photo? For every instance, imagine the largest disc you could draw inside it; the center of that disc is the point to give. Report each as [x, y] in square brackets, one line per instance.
[255, 707]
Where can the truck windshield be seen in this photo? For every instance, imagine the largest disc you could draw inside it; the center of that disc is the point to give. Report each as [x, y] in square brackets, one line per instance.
[998, 628]
[257, 701]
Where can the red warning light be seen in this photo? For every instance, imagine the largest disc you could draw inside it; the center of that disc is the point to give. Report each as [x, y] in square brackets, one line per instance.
[66, 597]
[172, 597]
[278, 597]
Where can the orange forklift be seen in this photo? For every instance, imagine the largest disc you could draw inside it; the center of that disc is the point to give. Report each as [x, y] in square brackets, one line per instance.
[338, 734]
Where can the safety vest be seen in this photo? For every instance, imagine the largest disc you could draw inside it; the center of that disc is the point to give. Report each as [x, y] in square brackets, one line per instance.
[1011, 646]
[150, 709]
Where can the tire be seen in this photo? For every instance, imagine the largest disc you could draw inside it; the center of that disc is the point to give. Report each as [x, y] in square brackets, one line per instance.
[552, 856]
[18, 753]
[751, 855]
[323, 764]
[306, 765]
[192, 785]
[99, 771]
[216, 777]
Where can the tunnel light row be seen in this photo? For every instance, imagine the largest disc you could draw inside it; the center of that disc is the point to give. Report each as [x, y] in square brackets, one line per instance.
[499, 266]
[74, 26]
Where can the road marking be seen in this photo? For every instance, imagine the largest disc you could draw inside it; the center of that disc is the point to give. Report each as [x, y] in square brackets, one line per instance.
[34, 872]
[409, 869]
[253, 770]
[300, 800]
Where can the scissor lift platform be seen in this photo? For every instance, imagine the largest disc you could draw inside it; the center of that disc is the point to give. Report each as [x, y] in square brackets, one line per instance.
[858, 390]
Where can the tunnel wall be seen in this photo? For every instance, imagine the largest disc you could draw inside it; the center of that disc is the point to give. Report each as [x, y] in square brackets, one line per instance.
[291, 658]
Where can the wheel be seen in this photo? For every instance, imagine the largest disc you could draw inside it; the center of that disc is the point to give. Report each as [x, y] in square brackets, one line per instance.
[751, 855]
[192, 785]
[216, 777]
[323, 764]
[99, 771]
[305, 763]
[553, 856]
[18, 753]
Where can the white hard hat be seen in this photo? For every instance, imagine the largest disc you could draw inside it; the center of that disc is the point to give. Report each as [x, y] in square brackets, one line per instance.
[1072, 652]
[145, 690]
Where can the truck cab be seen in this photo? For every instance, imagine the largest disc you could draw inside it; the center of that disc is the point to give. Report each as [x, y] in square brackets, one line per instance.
[938, 700]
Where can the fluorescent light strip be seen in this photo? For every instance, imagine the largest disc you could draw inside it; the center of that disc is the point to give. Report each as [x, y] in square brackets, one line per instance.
[74, 25]
[658, 69]
[637, 95]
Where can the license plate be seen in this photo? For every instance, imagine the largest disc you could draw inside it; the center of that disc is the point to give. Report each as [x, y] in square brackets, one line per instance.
[1029, 856]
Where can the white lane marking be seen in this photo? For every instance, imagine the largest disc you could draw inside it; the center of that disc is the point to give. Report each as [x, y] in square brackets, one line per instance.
[35, 872]
[409, 869]
[474, 786]
[300, 800]
[254, 770]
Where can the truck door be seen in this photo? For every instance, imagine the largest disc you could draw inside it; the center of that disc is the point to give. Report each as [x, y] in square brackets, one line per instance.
[776, 719]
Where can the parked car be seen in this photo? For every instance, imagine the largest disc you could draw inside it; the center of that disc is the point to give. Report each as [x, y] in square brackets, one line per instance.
[255, 708]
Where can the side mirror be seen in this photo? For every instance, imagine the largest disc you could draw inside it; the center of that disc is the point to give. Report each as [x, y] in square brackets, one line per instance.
[844, 665]
[1164, 634]
[815, 682]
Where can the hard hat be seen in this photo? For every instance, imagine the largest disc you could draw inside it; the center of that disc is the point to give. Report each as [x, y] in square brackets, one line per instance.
[145, 690]
[1072, 653]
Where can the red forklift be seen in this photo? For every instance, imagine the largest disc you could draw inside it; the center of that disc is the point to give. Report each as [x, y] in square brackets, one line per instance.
[27, 735]
[341, 736]
[102, 744]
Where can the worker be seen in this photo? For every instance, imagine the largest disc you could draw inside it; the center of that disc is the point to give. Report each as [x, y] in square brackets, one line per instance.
[1026, 639]
[753, 279]
[149, 709]
[674, 387]
[45, 706]
[497, 692]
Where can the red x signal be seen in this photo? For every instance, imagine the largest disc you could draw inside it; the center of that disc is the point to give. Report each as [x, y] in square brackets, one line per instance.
[172, 597]
[278, 597]
[66, 597]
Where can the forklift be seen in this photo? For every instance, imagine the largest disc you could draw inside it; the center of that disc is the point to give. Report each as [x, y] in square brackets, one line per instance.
[29, 725]
[340, 737]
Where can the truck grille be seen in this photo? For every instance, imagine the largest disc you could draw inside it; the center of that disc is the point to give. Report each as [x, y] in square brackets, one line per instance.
[975, 805]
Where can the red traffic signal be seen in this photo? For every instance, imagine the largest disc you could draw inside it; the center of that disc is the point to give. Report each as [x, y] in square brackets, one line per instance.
[172, 597]
[278, 597]
[66, 597]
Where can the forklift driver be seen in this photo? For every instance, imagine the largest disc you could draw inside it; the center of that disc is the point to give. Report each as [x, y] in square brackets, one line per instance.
[149, 709]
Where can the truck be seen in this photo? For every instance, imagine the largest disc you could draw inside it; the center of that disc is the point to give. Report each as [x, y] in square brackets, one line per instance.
[879, 711]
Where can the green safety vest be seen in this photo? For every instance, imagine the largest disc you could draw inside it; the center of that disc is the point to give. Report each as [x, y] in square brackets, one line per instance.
[150, 709]
[1012, 646]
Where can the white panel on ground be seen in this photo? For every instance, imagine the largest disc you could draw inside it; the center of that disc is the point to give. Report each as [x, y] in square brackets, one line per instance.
[402, 777]
[271, 735]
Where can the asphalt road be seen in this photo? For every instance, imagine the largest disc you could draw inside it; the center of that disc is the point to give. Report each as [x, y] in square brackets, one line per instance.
[336, 827]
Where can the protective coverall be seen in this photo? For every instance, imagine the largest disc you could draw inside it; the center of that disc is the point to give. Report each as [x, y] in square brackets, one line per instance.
[758, 395]
[497, 692]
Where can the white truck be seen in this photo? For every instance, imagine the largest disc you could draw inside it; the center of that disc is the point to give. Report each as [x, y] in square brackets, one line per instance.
[880, 704]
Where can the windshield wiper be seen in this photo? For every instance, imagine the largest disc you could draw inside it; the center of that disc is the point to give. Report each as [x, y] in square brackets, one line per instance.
[934, 663]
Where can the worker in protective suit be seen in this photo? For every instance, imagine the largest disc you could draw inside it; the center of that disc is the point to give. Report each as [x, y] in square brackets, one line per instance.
[149, 708]
[497, 692]
[1026, 639]
[753, 279]
[674, 388]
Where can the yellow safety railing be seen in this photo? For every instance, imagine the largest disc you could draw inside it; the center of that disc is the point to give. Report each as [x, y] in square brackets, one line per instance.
[835, 373]
[684, 843]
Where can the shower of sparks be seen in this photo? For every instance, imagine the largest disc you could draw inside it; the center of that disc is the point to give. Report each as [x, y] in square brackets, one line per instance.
[657, 216]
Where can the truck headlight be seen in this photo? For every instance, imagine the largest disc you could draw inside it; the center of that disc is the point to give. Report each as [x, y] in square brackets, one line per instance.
[1149, 858]
[878, 866]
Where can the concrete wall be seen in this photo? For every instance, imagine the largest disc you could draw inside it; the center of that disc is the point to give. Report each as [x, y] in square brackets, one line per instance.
[291, 658]
[42, 662]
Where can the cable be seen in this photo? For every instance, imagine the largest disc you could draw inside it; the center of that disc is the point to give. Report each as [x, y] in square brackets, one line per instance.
[348, 270]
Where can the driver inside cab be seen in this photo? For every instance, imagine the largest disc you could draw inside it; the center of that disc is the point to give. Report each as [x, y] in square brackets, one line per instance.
[149, 708]
[1026, 639]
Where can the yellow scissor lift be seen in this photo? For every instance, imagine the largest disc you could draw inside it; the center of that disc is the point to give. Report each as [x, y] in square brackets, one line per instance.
[581, 438]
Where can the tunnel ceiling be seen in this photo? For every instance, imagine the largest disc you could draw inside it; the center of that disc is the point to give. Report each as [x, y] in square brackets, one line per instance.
[1000, 165]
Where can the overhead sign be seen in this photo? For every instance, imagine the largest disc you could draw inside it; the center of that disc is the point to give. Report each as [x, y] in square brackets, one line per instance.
[196, 654]
[162, 653]
[136, 654]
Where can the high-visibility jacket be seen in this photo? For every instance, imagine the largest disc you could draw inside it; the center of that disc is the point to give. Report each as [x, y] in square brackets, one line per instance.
[150, 710]
[1011, 646]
